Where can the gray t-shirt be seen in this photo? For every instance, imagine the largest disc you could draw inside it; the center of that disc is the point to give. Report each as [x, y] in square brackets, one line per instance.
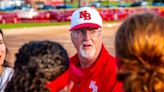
[5, 78]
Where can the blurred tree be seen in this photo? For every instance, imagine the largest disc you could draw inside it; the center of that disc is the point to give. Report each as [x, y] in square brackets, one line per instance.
[149, 0]
[158, 0]
[108, 3]
[65, 2]
[72, 1]
[79, 3]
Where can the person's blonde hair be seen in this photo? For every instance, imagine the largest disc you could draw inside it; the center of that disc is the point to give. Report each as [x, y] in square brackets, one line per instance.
[139, 47]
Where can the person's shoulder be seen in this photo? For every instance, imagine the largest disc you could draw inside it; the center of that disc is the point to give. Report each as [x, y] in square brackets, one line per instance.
[110, 57]
[106, 54]
[111, 63]
[9, 69]
[74, 59]
[8, 73]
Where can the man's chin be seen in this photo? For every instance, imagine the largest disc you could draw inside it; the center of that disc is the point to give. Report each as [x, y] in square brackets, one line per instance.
[87, 54]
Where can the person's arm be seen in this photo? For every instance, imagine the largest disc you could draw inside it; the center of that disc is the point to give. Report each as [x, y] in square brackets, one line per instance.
[68, 87]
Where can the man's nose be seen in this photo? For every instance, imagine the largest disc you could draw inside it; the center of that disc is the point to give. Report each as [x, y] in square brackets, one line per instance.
[87, 34]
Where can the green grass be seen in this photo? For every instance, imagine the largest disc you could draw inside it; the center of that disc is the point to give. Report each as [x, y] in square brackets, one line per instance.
[23, 25]
[114, 3]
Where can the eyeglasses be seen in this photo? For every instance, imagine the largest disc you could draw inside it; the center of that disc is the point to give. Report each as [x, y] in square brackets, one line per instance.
[93, 32]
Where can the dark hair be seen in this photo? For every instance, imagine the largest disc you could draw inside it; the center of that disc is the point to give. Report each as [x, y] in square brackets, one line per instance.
[139, 47]
[37, 63]
[6, 63]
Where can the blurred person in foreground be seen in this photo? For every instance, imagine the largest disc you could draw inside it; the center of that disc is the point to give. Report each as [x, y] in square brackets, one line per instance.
[6, 70]
[97, 65]
[42, 66]
[140, 50]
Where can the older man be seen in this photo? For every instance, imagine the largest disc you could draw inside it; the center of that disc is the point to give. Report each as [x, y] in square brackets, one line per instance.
[98, 67]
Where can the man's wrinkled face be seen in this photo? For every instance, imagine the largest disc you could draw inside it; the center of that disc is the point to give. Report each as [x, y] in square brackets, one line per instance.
[87, 41]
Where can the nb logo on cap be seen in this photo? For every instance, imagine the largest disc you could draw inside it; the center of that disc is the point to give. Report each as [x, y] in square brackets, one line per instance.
[85, 15]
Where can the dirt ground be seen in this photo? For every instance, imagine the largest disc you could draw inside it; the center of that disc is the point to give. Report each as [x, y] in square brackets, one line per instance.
[15, 38]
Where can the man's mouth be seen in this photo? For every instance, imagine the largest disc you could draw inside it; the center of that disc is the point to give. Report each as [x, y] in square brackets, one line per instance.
[87, 46]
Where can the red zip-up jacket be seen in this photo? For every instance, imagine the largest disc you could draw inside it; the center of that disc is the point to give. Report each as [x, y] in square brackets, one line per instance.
[99, 77]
